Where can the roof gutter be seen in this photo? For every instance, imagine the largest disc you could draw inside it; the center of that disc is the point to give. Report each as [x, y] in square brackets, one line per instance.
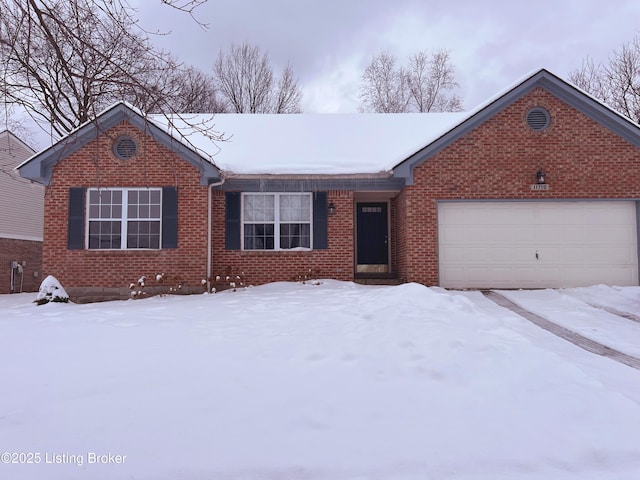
[307, 176]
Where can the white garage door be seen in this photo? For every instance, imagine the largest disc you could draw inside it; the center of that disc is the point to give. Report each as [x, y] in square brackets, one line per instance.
[537, 244]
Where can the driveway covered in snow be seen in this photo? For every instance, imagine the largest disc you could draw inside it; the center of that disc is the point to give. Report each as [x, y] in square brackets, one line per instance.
[599, 328]
[318, 381]
[599, 313]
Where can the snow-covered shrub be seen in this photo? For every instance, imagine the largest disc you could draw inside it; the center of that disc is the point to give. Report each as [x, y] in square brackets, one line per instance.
[51, 291]
[227, 280]
[309, 276]
[164, 285]
[137, 288]
[172, 284]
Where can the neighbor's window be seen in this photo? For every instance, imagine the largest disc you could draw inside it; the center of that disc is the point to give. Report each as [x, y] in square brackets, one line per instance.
[276, 221]
[124, 218]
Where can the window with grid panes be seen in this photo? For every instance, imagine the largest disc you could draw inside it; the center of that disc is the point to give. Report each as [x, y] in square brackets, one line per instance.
[124, 218]
[276, 221]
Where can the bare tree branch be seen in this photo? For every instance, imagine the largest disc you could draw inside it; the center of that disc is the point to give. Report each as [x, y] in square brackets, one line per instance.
[288, 96]
[423, 86]
[195, 92]
[64, 61]
[13, 123]
[245, 81]
[384, 88]
[616, 83]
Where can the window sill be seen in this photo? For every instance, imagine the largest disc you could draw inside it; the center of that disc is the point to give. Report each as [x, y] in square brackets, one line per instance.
[264, 253]
[119, 252]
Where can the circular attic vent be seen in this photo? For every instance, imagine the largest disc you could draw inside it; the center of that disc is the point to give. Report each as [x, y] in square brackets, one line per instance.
[538, 118]
[125, 148]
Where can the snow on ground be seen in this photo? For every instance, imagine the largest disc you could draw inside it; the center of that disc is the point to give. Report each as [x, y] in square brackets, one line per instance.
[622, 300]
[583, 311]
[307, 382]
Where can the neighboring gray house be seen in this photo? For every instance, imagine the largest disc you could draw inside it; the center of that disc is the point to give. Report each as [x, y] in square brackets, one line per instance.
[21, 220]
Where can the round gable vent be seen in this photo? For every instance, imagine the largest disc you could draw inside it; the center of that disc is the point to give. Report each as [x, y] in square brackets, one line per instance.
[125, 148]
[538, 118]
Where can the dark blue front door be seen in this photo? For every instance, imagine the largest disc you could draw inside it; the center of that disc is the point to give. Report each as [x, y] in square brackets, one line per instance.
[372, 232]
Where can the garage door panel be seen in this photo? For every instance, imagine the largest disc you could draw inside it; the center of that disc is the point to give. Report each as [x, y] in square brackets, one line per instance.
[494, 244]
[522, 233]
[483, 234]
[509, 256]
[451, 235]
[489, 217]
[571, 234]
[546, 234]
[552, 276]
[612, 255]
[451, 255]
[609, 235]
[457, 217]
[605, 275]
[594, 255]
[560, 255]
[607, 216]
[553, 217]
[612, 276]
[453, 275]
[504, 275]
[504, 257]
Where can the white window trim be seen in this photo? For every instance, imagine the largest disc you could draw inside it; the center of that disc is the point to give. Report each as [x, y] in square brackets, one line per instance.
[123, 220]
[276, 223]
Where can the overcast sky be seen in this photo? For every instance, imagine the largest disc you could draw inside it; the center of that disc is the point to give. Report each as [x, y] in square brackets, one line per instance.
[330, 42]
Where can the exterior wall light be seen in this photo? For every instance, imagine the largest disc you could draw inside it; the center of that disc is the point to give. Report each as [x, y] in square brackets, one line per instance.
[540, 175]
[332, 209]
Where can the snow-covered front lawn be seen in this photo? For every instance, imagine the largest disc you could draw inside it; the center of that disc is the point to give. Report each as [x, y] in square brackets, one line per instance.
[335, 381]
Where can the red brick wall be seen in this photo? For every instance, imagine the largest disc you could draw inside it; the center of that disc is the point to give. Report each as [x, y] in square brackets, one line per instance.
[393, 237]
[21, 251]
[499, 160]
[399, 226]
[95, 165]
[261, 267]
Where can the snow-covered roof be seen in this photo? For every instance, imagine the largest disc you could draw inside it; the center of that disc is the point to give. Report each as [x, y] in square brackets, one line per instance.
[319, 144]
[313, 143]
[336, 144]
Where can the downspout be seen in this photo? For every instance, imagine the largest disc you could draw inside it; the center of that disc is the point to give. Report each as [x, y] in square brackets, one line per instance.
[209, 226]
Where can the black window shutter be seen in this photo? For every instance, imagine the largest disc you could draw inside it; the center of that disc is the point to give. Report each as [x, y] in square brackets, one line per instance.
[169, 217]
[75, 235]
[232, 220]
[320, 235]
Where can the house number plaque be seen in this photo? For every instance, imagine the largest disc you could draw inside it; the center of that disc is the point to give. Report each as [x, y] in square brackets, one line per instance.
[540, 186]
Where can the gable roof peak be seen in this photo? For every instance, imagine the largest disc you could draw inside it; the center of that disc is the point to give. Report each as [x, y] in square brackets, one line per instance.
[39, 167]
[543, 78]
